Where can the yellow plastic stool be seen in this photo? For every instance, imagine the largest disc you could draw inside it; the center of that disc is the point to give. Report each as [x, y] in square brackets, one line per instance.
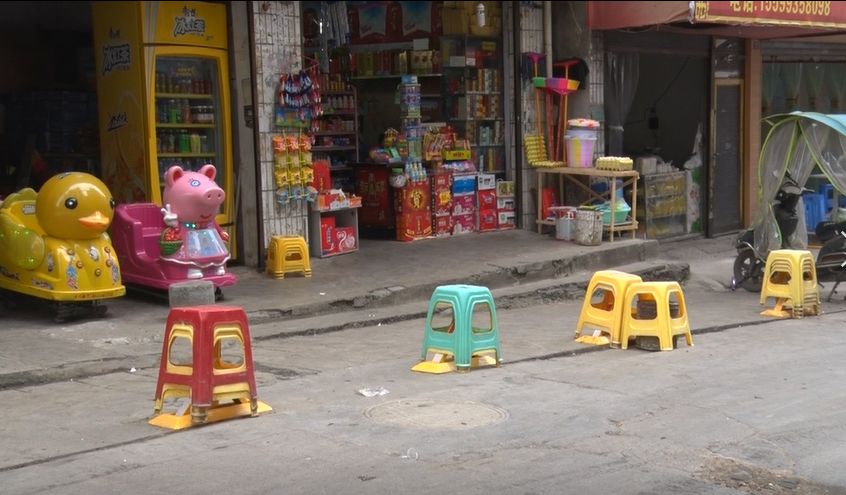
[664, 324]
[288, 254]
[604, 316]
[790, 277]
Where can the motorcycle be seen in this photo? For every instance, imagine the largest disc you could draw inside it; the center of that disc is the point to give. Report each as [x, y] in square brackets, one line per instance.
[749, 265]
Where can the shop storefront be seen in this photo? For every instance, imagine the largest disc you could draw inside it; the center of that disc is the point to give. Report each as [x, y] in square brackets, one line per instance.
[755, 63]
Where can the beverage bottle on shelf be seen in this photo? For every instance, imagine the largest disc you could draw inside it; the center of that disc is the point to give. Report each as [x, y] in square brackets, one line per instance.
[186, 111]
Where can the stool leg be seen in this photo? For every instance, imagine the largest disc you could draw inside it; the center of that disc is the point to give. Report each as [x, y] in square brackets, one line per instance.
[199, 415]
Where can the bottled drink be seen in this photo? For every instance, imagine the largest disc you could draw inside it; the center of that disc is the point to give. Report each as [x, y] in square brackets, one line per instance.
[204, 144]
[186, 111]
[195, 142]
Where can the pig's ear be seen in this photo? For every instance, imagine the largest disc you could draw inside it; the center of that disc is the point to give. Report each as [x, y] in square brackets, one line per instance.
[173, 174]
[209, 171]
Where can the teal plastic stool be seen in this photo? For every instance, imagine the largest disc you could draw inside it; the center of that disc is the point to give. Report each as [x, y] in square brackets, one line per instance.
[455, 334]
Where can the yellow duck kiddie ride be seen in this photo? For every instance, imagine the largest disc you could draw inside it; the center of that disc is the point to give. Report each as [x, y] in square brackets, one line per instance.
[54, 245]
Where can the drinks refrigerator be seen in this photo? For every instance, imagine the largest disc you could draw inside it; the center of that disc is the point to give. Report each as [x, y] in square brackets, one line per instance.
[163, 97]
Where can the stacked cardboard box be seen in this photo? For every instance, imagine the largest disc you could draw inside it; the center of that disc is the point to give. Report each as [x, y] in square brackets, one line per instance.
[506, 204]
[488, 220]
[414, 211]
[463, 203]
[442, 203]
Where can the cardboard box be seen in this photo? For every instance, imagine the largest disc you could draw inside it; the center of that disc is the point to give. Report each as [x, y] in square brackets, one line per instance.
[442, 226]
[462, 205]
[505, 188]
[421, 61]
[487, 181]
[488, 220]
[507, 220]
[487, 199]
[371, 183]
[414, 198]
[506, 204]
[413, 226]
[463, 184]
[442, 193]
[345, 240]
[462, 224]
[328, 244]
[322, 180]
[457, 154]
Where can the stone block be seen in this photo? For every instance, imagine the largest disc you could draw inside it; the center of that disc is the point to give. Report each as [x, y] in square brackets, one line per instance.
[191, 293]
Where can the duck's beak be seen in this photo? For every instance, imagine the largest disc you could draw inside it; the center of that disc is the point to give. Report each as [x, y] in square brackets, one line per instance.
[95, 221]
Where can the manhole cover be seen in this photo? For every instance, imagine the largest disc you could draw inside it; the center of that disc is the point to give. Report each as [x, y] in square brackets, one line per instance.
[454, 415]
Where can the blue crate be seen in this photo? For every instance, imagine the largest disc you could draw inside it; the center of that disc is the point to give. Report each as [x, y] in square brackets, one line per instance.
[815, 209]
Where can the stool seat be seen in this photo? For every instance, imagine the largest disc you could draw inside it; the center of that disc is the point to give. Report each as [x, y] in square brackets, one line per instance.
[790, 277]
[206, 357]
[654, 316]
[288, 254]
[456, 340]
[602, 309]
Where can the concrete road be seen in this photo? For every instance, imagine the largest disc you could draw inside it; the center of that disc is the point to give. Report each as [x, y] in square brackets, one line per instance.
[754, 409]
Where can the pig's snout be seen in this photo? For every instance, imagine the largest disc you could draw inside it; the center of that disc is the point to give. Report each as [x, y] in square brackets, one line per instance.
[215, 196]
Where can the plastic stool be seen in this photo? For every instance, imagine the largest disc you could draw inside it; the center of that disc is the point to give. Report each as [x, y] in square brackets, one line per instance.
[606, 315]
[663, 324]
[790, 277]
[288, 254]
[209, 377]
[460, 339]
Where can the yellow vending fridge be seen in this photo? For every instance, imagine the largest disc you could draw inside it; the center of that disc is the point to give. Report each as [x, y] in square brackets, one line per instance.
[163, 97]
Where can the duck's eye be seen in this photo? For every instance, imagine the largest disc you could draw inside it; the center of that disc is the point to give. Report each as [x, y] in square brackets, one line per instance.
[112, 203]
[70, 203]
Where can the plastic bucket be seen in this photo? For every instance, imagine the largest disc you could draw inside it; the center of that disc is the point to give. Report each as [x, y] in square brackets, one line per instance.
[565, 222]
[580, 145]
[588, 230]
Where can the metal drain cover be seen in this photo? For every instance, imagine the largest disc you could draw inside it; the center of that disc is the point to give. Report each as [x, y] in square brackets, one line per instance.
[431, 413]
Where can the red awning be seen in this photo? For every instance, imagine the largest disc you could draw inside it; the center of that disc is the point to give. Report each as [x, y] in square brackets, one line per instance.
[620, 15]
[747, 19]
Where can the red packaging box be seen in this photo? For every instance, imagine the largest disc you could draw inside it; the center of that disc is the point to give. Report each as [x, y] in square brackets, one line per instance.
[461, 224]
[487, 199]
[442, 226]
[327, 234]
[462, 205]
[371, 183]
[488, 220]
[322, 177]
[413, 226]
[345, 239]
[442, 193]
[414, 198]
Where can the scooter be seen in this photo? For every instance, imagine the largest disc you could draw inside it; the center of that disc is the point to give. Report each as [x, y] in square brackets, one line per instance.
[749, 265]
[831, 260]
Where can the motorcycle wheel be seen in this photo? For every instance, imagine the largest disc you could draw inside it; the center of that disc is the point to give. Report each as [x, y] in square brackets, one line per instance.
[749, 270]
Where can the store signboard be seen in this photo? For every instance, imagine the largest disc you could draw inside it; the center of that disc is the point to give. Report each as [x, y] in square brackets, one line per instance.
[393, 22]
[771, 13]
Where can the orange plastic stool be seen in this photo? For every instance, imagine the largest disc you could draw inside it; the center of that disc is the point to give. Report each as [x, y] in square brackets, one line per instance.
[288, 254]
[606, 315]
[665, 324]
[209, 377]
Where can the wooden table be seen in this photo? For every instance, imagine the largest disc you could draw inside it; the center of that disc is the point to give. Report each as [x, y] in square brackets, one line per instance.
[572, 174]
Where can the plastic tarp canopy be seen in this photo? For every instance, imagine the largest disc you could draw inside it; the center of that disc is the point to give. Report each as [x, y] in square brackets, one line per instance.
[796, 143]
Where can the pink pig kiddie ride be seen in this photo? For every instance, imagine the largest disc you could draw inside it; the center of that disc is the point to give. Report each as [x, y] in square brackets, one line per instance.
[157, 246]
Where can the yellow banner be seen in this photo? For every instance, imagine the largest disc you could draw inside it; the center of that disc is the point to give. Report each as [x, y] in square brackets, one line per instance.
[185, 23]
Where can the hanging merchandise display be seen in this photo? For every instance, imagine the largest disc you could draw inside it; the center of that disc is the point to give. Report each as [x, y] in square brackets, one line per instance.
[292, 168]
[298, 99]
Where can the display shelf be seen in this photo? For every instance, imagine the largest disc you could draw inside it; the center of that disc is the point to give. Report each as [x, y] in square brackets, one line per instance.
[344, 217]
[339, 113]
[164, 125]
[477, 119]
[337, 93]
[477, 145]
[629, 178]
[186, 155]
[663, 193]
[185, 96]
[394, 76]
[332, 148]
[334, 133]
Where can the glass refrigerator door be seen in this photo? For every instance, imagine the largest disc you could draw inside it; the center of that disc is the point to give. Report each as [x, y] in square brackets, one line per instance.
[188, 116]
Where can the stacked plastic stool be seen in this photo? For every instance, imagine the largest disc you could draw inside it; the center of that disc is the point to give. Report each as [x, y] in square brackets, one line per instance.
[456, 341]
[206, 357]
[790, 277]
[288, 254]
[660, 312]
[604, 315]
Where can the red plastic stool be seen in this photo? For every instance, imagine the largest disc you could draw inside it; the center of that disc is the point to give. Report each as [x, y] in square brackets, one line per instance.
[210, 376]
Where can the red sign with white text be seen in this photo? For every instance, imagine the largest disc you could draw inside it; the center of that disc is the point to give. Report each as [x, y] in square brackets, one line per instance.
[769, 13]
